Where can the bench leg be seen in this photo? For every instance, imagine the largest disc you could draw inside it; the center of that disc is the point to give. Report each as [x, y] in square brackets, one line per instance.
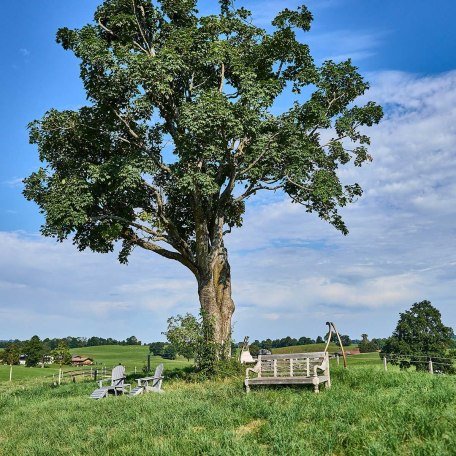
[316, 385]
[247, 387]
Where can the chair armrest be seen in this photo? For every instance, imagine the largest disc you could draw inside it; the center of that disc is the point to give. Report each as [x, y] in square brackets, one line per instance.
[100, 382]
[148, 379]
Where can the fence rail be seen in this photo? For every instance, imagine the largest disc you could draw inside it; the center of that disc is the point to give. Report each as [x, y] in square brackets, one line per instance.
[431, 361]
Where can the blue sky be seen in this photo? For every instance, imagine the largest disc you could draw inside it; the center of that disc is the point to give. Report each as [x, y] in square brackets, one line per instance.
[291, 272]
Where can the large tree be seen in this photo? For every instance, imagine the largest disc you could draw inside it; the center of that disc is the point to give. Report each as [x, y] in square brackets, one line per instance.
[419, 336]
[182, 128]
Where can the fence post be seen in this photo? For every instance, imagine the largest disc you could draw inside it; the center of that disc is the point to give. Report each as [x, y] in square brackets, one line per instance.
[60, 375]
[431, 367]
[385, 366]
[148, 363]
[135, 369]
[11, 372]
[95, 374]
[337, 358]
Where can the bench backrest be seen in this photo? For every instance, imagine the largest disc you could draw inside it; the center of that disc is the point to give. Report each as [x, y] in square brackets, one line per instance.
[291, 364]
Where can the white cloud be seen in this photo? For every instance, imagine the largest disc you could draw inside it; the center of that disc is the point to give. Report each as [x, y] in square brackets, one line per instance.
[15, 182]
[339, 45]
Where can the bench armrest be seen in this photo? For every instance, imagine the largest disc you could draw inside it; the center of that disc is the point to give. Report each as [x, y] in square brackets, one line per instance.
[322, 367]
[255, 369]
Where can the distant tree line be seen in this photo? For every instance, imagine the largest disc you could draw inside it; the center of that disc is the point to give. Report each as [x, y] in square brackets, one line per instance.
[288, 341]
[77, 342]
[37, 351]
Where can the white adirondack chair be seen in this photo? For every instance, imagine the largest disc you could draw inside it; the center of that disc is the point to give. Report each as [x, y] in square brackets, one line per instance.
[149, 384]
[117, 386]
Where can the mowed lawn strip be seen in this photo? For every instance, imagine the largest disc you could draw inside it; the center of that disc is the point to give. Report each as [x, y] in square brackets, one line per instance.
[367, 411]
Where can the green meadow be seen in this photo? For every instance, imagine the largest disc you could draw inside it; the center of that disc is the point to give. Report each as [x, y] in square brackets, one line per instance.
[130, 356]
[366, 412]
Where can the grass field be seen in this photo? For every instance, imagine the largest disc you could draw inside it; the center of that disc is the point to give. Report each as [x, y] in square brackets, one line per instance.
[366, 412]
[130, 356]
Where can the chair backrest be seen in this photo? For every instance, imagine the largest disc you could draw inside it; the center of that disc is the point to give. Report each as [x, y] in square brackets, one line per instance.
[118, 375]
[157, 376]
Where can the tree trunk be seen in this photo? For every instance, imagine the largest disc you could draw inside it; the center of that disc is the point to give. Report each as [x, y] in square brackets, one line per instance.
[216, 304]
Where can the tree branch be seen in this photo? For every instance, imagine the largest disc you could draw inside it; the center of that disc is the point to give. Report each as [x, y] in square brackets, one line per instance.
[222, 78]
[135, 135]
[150, 49]
[130, 236]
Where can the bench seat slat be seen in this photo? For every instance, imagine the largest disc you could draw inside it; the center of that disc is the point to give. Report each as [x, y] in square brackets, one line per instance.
[287, 380]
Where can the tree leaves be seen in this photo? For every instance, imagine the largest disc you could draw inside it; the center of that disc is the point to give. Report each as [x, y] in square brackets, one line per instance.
[181, 128]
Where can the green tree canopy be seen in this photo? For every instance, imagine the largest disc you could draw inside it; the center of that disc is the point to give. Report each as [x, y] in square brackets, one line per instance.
[420, 335]
[185, 334]
[366, 345]
[12, 353]
[182, 128]
[62, 353]
[35, 350]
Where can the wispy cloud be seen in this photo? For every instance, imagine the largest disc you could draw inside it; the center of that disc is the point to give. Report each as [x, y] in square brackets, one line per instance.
[15, 182]
[24, 52]
[339, 45]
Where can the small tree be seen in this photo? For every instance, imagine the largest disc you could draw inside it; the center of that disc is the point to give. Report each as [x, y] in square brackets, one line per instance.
[305, 341]
[169, 352]
[367, 346]
[184, 333]
[420, 335]
[132, 340]
[345, 339]
[156, 348]
[62, 353]
[35, 351]
[11, 354]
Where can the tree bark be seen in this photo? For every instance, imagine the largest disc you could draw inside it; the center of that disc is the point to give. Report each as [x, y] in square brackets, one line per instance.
[214, 290]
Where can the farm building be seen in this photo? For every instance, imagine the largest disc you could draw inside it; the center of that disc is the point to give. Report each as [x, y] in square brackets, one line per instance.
[352, 351]
[77, 360]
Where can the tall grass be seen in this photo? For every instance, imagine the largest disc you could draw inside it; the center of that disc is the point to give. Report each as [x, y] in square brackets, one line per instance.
[366, 412]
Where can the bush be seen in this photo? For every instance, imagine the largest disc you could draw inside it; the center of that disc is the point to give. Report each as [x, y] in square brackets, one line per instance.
[169, 352]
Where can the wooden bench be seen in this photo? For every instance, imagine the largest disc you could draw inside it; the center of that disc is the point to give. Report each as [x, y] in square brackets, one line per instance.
[290, 369]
